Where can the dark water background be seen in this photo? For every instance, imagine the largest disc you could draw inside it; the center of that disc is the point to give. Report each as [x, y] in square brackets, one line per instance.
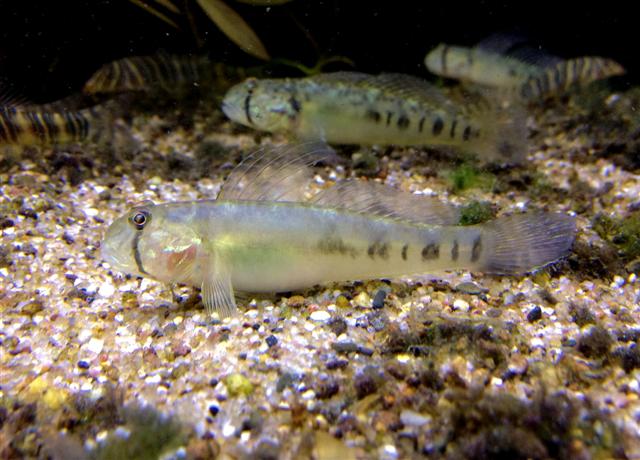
[48, 48]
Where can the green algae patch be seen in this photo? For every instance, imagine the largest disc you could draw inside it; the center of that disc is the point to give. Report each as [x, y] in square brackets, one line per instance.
[623, 233]
[150, 434]
[476, 212]
[466, 177]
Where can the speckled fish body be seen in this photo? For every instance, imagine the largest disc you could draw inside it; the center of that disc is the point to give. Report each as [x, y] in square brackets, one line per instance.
[260, 245]
[355, 108]
[525, 80]
[33, 126]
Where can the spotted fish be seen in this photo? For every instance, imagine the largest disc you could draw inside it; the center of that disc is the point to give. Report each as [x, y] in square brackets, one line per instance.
[356, 108]
[255, 237]
[163, 72]
[527, 79]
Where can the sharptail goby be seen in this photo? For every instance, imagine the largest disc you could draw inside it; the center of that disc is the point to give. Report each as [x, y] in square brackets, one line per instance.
[30, 125]
[530, 79]
[162, 72]
[256, 238]
[387, 109]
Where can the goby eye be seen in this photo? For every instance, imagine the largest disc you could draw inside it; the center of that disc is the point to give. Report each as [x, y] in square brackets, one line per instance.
[140, 219]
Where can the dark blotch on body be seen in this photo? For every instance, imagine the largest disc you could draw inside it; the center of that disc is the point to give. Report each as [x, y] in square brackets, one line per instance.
[378, 249]
[374, 116]
[455, 250]
[403, 122]
[477, 249]
[430, 251]
[466, 134]
[335, 245]
[438, 125]
[405, 248]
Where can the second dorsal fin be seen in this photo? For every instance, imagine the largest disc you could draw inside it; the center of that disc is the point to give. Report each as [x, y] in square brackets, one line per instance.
[385, 201]
[275, 173]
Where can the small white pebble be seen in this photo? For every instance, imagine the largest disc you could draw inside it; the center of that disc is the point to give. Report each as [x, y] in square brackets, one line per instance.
[309, 327]
[91, 212]
[153, 379]
[461, 305]
[308, 395]
[106, 290]
[411, 418]
[320, 315]
[496, 382]
[390, 451]
[618, 281]
[178, 320]
[228, 430]
[94, 345]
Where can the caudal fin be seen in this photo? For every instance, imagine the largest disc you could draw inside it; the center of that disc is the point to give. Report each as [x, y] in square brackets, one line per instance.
[526, 242]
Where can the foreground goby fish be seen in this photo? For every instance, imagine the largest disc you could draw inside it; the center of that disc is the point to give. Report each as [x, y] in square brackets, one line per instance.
[386, 109]
[528, 79]
[256, 238]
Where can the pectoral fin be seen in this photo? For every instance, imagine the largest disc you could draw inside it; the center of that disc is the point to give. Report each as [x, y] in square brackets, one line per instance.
[217, 294]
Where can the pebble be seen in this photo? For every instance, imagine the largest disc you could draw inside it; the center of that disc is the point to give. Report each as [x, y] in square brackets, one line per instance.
[271, 340]
[338, 326]
[470, 288]
[411, 418]
[461, 305]
[378, 299]
[106, 290]
[362, 300]
[238, 385]
[534, 314]
[337, 364]
[320, 316]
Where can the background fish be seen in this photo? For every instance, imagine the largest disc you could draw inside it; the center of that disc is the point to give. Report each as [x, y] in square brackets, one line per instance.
[356, 108]
[254, 238]
[162, 72]
[33, 125]
[527, 75]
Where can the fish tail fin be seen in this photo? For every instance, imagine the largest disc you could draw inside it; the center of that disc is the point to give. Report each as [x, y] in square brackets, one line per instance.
[526, 242]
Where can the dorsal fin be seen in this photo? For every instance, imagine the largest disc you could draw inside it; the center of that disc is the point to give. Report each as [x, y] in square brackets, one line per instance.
[401, 85]
[385, 201]
[9, 97]
[518, 48]
[275, 173]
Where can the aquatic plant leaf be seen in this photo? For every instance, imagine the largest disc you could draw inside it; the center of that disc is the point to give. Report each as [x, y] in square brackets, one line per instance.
[169, 5]
[381, 200]
[234, 27]
[148, 8]
[264, 2]
[277, 173]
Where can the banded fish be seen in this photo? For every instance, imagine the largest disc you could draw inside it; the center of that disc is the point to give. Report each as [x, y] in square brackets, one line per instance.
[255, 237]
[33, 125]
[356, 108]
[526, 78]
[162, 72]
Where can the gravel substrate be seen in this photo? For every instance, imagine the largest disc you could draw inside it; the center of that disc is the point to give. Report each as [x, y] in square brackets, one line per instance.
[456, 365]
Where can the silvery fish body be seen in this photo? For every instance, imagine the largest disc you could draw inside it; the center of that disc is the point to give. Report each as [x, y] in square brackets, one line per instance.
[246, 241]
[386, 109]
